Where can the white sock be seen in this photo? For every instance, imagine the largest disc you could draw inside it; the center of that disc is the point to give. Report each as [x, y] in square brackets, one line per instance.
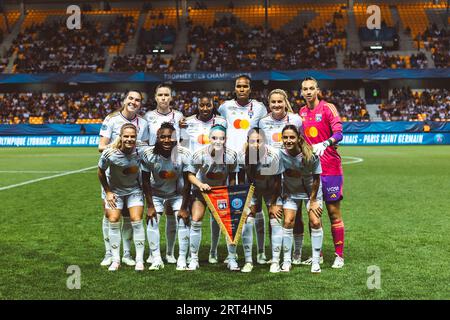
[231, 251]
[260, 226]
[247, 238]
[139, 239]
[215, 236]
[171, 234]
[127, 235]
[183, 239]
[298, 244]
[316, 243]
[105, 229]
[195, 237]
[277, 239]
[153, 237]
[114, 240]
[288, 235]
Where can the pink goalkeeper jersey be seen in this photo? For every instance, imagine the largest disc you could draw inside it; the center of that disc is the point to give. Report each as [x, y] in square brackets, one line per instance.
[319, 125]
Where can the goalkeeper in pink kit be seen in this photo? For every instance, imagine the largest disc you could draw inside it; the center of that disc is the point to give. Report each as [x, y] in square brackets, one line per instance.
[323, 130]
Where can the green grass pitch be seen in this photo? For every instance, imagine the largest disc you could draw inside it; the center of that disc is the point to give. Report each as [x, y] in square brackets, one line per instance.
[396, 212]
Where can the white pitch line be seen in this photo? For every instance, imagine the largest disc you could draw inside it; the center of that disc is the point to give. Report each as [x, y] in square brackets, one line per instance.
[352, 160]
[45, 178]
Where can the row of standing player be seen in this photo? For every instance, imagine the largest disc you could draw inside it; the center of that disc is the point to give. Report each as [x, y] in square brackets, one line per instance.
[173, 169]
[321, 127]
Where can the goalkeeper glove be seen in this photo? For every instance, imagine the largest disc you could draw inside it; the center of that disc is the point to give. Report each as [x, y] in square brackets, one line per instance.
[319, 148]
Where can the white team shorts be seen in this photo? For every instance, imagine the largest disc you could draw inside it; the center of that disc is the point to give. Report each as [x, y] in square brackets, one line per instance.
[174, 201]
[267, 198]
[294, 204]
[132, 200]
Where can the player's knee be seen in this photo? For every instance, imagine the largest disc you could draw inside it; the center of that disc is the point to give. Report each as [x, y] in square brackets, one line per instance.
[113, 219]
[288, 223]
[315, 224]
[335, 216]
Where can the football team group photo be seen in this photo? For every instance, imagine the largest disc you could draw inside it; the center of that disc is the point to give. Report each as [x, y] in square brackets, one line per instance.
[224, 150]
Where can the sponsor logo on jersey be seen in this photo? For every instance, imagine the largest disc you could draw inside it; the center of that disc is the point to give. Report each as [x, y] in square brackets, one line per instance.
[333, 189]
[131, 170]
[318, 117]
[276, 137]
[167, 175]
[311, 132]
[203, 139]
[241, 124]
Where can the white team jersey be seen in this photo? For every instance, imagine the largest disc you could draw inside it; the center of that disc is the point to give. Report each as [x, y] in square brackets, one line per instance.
[196, 135]
[240, 119]
[166, 173]
[297, 177]
[267, 166]
[155, 119]
[272, 128]
[123, 174]
[213, 171]
[113, 122]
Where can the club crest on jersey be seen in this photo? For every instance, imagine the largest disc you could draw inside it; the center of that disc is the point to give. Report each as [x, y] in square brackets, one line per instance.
[304, 114]
[250, 114]
[318, 117]
[104, 127]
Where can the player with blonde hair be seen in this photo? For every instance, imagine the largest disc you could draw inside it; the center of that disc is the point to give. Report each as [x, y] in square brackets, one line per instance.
[109, 131]
[118, 172]
[281, 114]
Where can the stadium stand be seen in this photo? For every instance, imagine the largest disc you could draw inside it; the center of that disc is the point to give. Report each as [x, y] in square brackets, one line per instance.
[220, 39]
[438, 42]
[384, 60]
[44, 45]
[150, 63]
[418, 105]
[83, 107]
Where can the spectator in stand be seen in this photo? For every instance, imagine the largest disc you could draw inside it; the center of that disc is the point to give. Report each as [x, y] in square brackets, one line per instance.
[47, 47]
[406, 105]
